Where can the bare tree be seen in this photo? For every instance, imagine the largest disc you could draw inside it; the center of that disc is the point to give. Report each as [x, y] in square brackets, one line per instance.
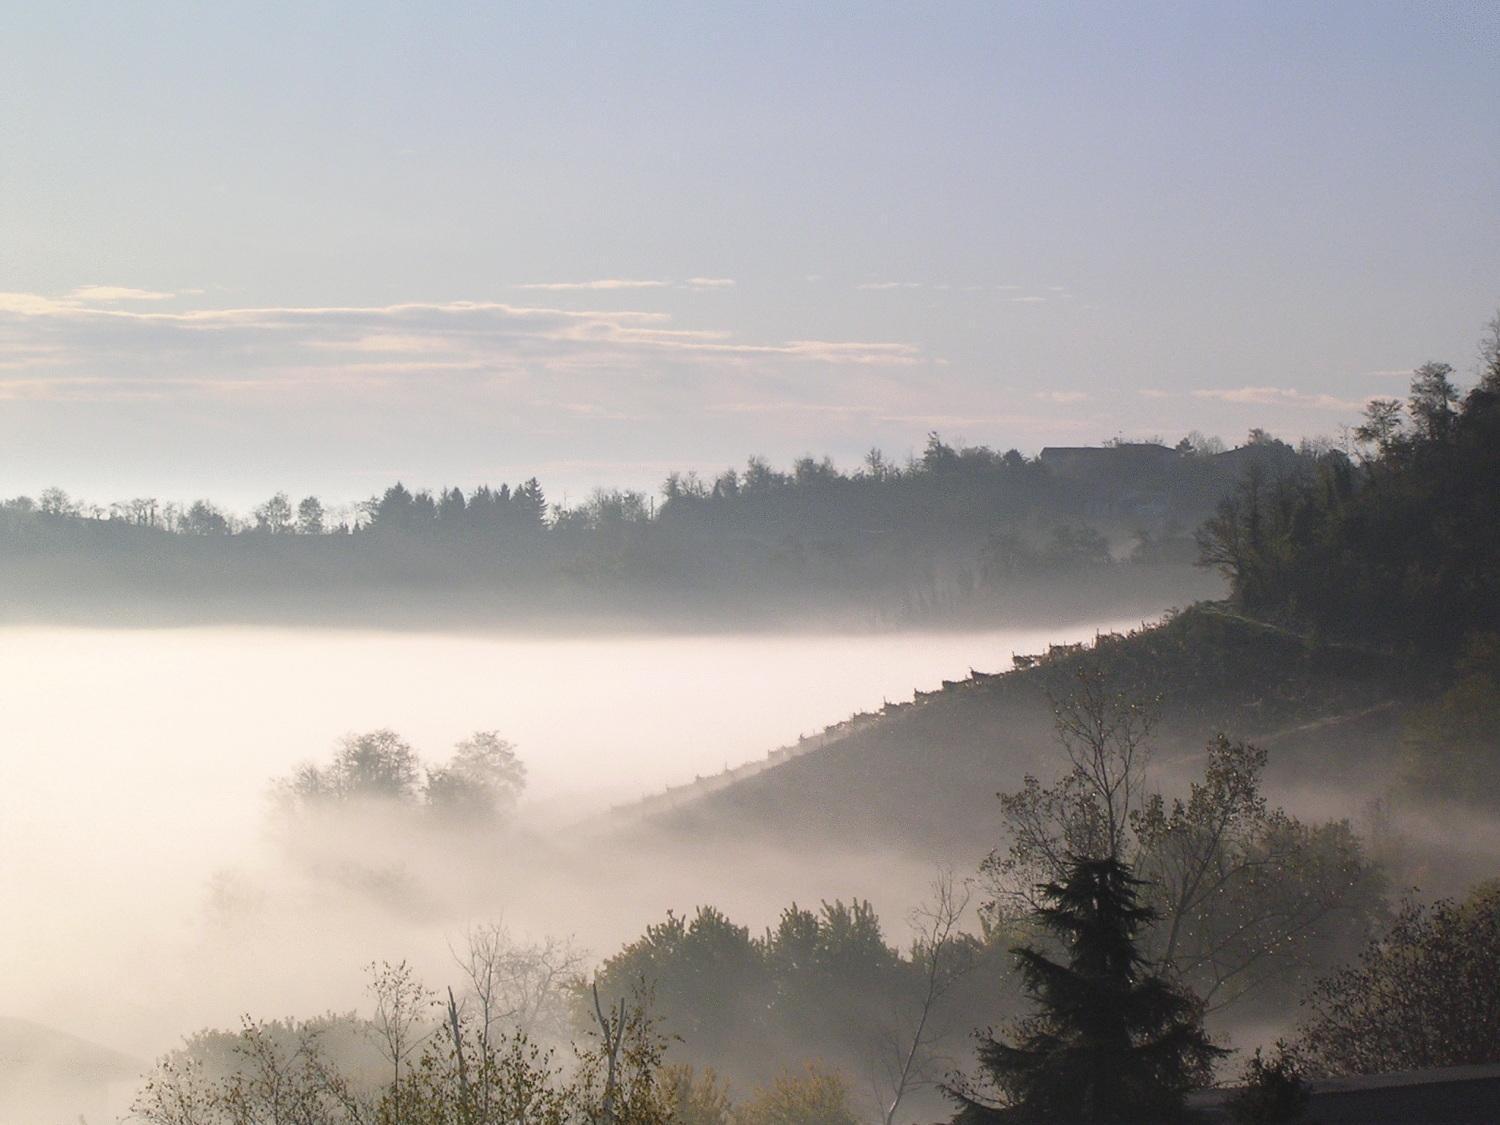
[943, 958]
[1489, 356]
[1247, 893]
[1106, 737]
[612, 1035]
[401, 1005]
[521, 985]
[1243, 893]
[520, 988]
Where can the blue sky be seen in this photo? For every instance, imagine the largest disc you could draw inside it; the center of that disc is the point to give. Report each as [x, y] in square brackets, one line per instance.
[317, 246]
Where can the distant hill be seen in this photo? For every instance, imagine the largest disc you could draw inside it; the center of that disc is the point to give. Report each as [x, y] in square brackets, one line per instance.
[1360, 643]
[958, 535]
[48, 1076]
[920, 777]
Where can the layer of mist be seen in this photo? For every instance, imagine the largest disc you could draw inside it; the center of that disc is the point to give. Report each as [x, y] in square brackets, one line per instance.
[151, 891]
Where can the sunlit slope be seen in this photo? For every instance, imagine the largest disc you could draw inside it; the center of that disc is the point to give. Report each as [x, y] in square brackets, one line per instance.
[921, 777]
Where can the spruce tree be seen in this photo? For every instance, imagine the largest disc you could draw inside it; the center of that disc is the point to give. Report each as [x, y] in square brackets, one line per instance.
[1111, 1042]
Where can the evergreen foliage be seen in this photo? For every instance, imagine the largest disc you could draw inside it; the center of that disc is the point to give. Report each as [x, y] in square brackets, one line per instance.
[1110, 1041]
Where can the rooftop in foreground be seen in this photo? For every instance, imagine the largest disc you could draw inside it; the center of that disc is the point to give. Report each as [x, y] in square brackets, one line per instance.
[1459, 1095]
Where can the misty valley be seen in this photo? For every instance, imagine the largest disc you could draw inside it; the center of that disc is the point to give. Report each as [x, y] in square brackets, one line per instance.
[538, 874]
[594, 563]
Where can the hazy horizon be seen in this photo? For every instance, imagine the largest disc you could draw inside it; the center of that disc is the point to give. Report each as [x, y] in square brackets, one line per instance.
[148, 814]
[742, 688]
[320, 249]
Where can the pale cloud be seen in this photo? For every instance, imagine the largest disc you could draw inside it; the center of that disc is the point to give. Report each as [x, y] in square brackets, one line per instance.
[31, 304]
[1280, 396]
[117, 293]
[717, 344]
[1154, 392]
[1063, 398]
[381, 343]
[35, 304]
[393, 367]
[89, 349]
[839, 351]
[606, 284]
[886, 285]
[601, 283]
[272, 316]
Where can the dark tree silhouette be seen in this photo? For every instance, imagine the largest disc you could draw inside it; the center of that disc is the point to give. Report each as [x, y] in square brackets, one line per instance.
[1111, 1041]
[1425, 995]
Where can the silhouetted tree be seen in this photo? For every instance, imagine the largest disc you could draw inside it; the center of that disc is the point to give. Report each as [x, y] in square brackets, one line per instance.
[531, 503]
[202, 518]
[1242, 895]
[275, 515]
[1272, 1092]
[482, 780]
[1427, 994]
[1433, 401]
[1110, 1041]
[1402, 551]
[1489, 357]
[310, 516]
[379, 765]
[55, 502]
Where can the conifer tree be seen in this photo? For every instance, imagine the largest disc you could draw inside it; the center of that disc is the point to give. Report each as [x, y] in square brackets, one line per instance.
[1110, 1041]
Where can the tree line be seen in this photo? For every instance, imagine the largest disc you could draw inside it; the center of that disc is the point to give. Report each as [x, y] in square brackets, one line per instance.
[956, 532]
[1396, 549]
[1113, 921]
[1132, 912]
[1397, 546]
[942, 480]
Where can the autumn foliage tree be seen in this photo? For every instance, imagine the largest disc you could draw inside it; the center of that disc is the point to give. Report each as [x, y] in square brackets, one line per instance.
[1426, 994]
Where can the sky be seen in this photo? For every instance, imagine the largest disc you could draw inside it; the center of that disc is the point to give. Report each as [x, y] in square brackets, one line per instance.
[319, 247]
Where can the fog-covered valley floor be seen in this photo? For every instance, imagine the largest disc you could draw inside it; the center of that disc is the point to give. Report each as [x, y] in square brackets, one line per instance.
[148, 894]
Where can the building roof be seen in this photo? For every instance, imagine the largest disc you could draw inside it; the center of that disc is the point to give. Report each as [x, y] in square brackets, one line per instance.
[1458, 1095]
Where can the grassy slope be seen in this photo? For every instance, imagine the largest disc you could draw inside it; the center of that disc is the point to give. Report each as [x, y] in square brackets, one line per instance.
[922, 778]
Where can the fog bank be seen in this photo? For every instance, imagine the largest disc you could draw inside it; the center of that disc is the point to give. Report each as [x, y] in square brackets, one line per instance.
[136, 767]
